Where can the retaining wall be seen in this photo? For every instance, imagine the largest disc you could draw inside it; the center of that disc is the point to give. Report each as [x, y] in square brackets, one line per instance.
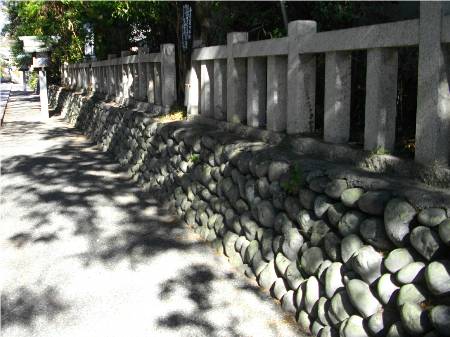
[348, 253]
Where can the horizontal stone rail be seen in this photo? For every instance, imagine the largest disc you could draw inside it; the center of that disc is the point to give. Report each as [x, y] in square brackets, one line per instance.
[130, 79]
[346, 253]
[271, 83]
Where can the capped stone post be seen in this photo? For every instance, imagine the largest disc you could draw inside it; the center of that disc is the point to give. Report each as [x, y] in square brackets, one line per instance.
[168, 76]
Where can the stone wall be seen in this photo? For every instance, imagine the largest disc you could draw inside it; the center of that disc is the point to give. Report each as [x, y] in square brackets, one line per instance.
[348, 254]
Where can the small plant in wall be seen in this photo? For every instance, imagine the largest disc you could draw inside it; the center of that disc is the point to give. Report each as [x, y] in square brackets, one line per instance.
[294, 181]
[194, 158]
[380, 150]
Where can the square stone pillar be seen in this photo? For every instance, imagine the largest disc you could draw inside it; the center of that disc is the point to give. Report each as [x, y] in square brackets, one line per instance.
[256, 91]
[220, 89]
[337, 97]
[150, 83]
[111, 75]
[157, 82]
[125, 81]
[381, 99]
[142, 74]
[301, 79]
[194, 89]
[43, 93]
[276, 93]
[207, 88]
[433, 95]
[236, 81]
[168, 76]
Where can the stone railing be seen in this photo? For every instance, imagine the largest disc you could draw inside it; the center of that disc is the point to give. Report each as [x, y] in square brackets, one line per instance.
[130, 78]
[271, 83]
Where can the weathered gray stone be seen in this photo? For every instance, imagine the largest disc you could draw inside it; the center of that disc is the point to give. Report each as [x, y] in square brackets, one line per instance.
[318, 232]
[415, 319]
[249, 226]
[387, 290]
[425, 241]
[397, 217]
[322, 270]
[287, 302]
[252, 249]
[373, 202]
[349, 246]
[311, 260]
[362, 298]
[316, 327]
[293, 276]
[321, 205]
[440, 318]
[240, 206]
[266, 214]
[292, 243]
[367, 263]
[282, 223]
[250, 190]
[350, 222]
[303, 320]
[229, 242]
[292, 208]
[311, 294]
[278, 195]
[333, 279]
[431, 216]
[307, 198]
[332, 246]
[396, 330]
[279, 289]
[277, 169]
[341, 306]
[437, 276]
[335, 188]
[379, 323]
[281, 264]
[263, 187]
[410, 293]
[306, 222]
[300, 296]
[397, 259]
[372, 231]
[266, 245]
[319, 184]
[323, 306]
[268, 276]
[261, 168]
[351, 196]
[335, 213]
[258, 264]
[276, 243]
[411, 273]
[444, 231]
[353, 327]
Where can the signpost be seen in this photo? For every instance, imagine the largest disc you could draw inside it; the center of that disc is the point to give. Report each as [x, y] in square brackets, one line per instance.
[40, 47]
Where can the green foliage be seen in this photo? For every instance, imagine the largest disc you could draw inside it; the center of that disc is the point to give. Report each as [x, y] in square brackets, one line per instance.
[194, 158]
[380, 150]
[295, 180]
[33, 80]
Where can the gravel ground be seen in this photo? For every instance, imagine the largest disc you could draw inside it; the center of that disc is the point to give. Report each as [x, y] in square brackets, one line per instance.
[86, 253]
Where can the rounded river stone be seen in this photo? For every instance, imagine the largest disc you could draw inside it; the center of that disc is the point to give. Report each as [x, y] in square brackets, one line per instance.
[349, 224]
[362, 298]
[415, 320]
[410, 293]
[431, 216]
[397, 217]
[266, 213]
[349, 246]
[379, 323]
[279, 289]
[396, 330]
[335, 188]
[311, 260]
[440, 318]
[307, 198]
[411, 273]
[303, 320]
[387, 290]
[282, 223]
[351, 196]
[372, 230]
[277, 169]
[293, 276]
[292, 243]
[444, 231]
[281, 263]
[335, 213]
[425, 241]
[367, 263]
[437, 276]
[287, 302]
[268, 276]
[353, 327]
[341, 306]
[397, 259]
[373, 202]
[333, 279]
[311, 294]
[318, 232]
[332, 246]
[321, 205]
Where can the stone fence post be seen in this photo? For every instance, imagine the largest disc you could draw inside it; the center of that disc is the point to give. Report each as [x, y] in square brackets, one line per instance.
[142, 74]
[168, 76]
[433, 96]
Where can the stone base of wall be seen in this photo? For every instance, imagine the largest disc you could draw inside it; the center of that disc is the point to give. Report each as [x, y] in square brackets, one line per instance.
[347, 252]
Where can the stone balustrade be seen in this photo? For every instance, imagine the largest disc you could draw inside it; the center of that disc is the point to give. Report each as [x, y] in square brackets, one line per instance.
[145, 77]
[271, 83]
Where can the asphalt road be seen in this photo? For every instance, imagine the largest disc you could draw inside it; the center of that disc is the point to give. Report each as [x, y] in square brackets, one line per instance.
[86, 253]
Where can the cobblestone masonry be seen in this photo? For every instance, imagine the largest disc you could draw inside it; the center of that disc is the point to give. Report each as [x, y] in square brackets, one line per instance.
[344, 256]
